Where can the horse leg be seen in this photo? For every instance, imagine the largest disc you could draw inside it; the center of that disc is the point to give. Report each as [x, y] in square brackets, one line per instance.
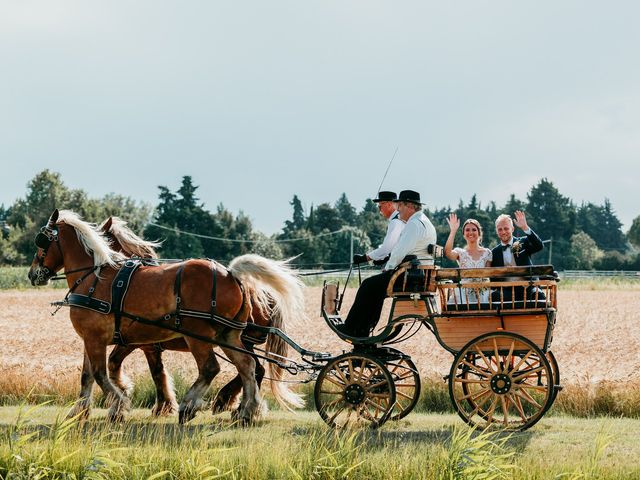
[208, 367]
[251, 404]
[116, 373]
[228, 395]
[166, 403]
[97, 353]
[82, 407]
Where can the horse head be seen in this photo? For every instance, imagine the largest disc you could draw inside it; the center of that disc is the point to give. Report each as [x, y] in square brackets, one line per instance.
[79, 246]
[124, 240]
[46, 261]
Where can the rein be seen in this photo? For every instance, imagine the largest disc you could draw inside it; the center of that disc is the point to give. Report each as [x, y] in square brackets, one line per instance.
[63, 275]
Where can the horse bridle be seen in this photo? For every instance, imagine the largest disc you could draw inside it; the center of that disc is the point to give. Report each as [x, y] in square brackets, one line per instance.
[44, 238]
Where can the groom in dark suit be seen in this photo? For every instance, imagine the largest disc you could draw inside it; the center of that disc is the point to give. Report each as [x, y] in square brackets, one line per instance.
[515, 251]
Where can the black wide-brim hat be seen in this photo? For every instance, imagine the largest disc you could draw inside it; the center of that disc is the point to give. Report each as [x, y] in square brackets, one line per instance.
[386, 197]
[410, 196]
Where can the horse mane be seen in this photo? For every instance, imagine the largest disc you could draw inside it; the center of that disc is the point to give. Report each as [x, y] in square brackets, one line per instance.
[93, 241]
[131, 243]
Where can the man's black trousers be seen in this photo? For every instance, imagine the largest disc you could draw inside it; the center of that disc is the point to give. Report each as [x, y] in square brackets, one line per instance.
[367, 306]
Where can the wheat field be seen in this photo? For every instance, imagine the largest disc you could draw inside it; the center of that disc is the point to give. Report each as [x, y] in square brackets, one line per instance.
[595, 340]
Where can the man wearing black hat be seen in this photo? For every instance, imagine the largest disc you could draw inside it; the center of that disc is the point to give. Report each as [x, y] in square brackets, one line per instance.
[387, 205]
[415, 239]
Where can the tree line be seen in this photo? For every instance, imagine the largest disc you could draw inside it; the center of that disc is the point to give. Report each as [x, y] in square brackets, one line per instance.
[585, 236]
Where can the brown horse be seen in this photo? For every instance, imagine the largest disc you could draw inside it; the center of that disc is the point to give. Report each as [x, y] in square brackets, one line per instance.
[123, 239]
[195, 297]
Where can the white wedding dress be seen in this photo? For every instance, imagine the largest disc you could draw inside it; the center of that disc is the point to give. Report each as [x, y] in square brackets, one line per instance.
[462, 295]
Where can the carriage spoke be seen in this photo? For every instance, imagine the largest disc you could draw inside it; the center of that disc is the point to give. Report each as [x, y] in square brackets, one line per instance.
[336, 381]
[497, 353]
[516, 403]
[350, 366]
[486, 395]
[528, 373]
[539, 388]
[522, 394]
[474, 395]
[332, 392]
[404, 395]
[484, 358]
[468, 380]
[509, 355]
[492, 408]
[378, 395]
[523, 359]
[333, 403]
[474, 369]
[339, 373]
[332, 419]
[404, 377]
[377, 385]
[377, 405]
[505, 410]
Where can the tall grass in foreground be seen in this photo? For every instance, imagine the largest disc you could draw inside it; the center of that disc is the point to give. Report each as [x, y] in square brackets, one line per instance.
[291, 447]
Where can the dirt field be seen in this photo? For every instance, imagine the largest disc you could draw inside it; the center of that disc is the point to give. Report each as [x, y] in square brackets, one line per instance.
[596, 338]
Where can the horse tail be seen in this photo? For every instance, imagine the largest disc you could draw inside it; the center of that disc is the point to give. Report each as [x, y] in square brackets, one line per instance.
[275, 279]
[276, 345]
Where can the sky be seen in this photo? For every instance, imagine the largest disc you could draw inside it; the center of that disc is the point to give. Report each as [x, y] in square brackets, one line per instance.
[261, 100]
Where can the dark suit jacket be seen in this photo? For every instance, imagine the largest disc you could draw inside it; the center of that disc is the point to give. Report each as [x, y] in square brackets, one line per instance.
[530, 244]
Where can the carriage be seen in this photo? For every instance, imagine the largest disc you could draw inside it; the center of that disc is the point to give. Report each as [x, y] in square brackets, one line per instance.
[503, 373]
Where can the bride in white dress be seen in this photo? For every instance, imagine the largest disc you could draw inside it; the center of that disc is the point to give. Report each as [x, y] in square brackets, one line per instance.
[474, 255]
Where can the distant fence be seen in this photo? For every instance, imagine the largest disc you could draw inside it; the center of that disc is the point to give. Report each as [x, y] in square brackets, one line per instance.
[599, 274]
[567, 274]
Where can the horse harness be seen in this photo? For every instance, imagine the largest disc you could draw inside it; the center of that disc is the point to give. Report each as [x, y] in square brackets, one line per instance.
[120, 287]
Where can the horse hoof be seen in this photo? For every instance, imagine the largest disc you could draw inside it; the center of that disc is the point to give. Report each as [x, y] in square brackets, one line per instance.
[80, 414]
[220, 406]
[117, 417]
[186, 415]
[164, 409]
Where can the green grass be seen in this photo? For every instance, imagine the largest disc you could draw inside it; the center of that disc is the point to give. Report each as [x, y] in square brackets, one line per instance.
[39, 444]
[16, 278]
[605, 283]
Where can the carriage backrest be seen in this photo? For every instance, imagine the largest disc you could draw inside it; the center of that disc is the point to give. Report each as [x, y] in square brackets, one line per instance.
[499, 285]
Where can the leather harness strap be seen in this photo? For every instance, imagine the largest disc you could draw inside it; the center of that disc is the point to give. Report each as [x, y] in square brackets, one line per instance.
[214, 303]
[119, 289]
[177, 292]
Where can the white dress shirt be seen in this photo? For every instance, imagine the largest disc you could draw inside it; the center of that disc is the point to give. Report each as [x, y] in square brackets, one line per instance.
[394, 229]
[507, 254]
[415, 239]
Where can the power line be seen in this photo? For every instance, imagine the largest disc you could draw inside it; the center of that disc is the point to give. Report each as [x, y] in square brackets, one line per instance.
[208, 237]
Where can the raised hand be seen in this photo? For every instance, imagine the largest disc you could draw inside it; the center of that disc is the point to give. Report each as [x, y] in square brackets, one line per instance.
[454, 222]
[521, 220]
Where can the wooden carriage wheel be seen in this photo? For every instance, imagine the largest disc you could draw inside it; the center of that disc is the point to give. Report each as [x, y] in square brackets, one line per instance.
[355, 390]
[501, 380]
[407, 382]
[555, 369]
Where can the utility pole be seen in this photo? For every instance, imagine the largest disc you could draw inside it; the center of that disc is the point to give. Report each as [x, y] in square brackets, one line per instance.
[550, 242]
[351, 257]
